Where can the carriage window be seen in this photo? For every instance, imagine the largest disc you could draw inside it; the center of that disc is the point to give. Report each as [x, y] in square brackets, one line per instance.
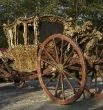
[30, 34]
[48, 28]
[20, 30]
[30, 38]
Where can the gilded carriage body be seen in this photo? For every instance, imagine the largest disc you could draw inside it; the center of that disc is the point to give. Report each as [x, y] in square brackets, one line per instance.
[23, 40]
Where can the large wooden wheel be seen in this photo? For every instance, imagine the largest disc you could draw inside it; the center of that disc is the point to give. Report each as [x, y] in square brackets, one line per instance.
[95, 82]
[60, 59]
[95, 77]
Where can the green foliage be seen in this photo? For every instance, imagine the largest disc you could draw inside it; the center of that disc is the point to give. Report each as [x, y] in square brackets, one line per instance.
[78, 9]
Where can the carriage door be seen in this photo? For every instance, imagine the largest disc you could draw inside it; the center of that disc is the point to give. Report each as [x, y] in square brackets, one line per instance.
[47, 28]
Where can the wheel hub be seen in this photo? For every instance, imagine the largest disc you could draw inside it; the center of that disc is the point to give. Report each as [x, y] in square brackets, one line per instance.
[60, 68]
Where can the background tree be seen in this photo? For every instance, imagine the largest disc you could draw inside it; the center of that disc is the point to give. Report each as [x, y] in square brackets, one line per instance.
[11, 9]
[80, 10]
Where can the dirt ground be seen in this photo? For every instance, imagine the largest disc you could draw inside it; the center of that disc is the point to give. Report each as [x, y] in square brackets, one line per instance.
[32, 97]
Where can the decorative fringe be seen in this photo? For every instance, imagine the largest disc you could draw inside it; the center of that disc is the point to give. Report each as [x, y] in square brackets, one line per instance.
[25, 58]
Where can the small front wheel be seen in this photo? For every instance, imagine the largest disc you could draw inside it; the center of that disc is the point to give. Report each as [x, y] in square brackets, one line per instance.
[18, 81]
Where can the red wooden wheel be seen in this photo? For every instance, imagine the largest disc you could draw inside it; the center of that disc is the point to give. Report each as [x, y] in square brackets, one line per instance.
[98, 84]
[60, 59]
[95, 77]
[95, 82]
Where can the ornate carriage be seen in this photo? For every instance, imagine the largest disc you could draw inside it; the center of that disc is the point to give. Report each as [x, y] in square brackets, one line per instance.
[43, 47]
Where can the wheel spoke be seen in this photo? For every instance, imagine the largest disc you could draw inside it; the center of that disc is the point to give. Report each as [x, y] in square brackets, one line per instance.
[69, 83]
[101, 54]
[72, 77]
[100, 75]
[71, 67]
[95, 82]
[56, 51]
[68, 58]
[62, 84]
[50, 56]
[50, 80]
[48, 62]
[61, 49]
[57, 84]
